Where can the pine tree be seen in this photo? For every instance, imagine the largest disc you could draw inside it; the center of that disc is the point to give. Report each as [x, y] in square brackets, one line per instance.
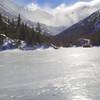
[38, 28]
[8, 21]
[18, 27]
[13, 23]
[0, 18]
[22, 31]
[19, 20]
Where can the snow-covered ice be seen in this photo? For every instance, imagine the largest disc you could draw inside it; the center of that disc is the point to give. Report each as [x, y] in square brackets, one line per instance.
[63, 74]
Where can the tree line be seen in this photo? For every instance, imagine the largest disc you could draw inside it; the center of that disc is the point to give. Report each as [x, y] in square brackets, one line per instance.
[17, 29]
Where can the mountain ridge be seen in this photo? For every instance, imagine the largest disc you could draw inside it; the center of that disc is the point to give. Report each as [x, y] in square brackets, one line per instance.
[12, 11]
[83, 29]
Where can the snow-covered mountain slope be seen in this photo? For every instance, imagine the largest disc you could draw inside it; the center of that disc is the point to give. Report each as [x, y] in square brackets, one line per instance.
[64, 15]
[11, 10]
[52, 30]
[55, 19]
[86, 28]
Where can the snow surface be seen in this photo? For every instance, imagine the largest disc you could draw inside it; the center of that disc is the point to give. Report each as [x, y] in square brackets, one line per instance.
[63, 74]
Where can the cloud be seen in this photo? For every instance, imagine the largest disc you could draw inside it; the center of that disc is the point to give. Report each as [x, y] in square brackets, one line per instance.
[32, 6]
[66, 15]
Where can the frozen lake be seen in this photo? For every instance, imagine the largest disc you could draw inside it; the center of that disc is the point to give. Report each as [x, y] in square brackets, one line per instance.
[63, 74]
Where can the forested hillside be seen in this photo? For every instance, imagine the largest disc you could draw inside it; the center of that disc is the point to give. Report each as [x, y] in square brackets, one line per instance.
[20, 31]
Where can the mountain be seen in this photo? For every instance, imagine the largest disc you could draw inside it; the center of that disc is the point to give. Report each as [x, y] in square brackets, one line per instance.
[63, 14]
[52, 21]
[13, 32]
[87, 28]
[55, 19]
[11, 10]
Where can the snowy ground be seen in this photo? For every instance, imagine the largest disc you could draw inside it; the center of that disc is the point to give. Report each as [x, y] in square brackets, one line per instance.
[63, 74]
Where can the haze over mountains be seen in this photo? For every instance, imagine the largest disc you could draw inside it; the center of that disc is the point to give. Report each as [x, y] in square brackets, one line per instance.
[62, 15]
[67, 15]
[10, 9]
